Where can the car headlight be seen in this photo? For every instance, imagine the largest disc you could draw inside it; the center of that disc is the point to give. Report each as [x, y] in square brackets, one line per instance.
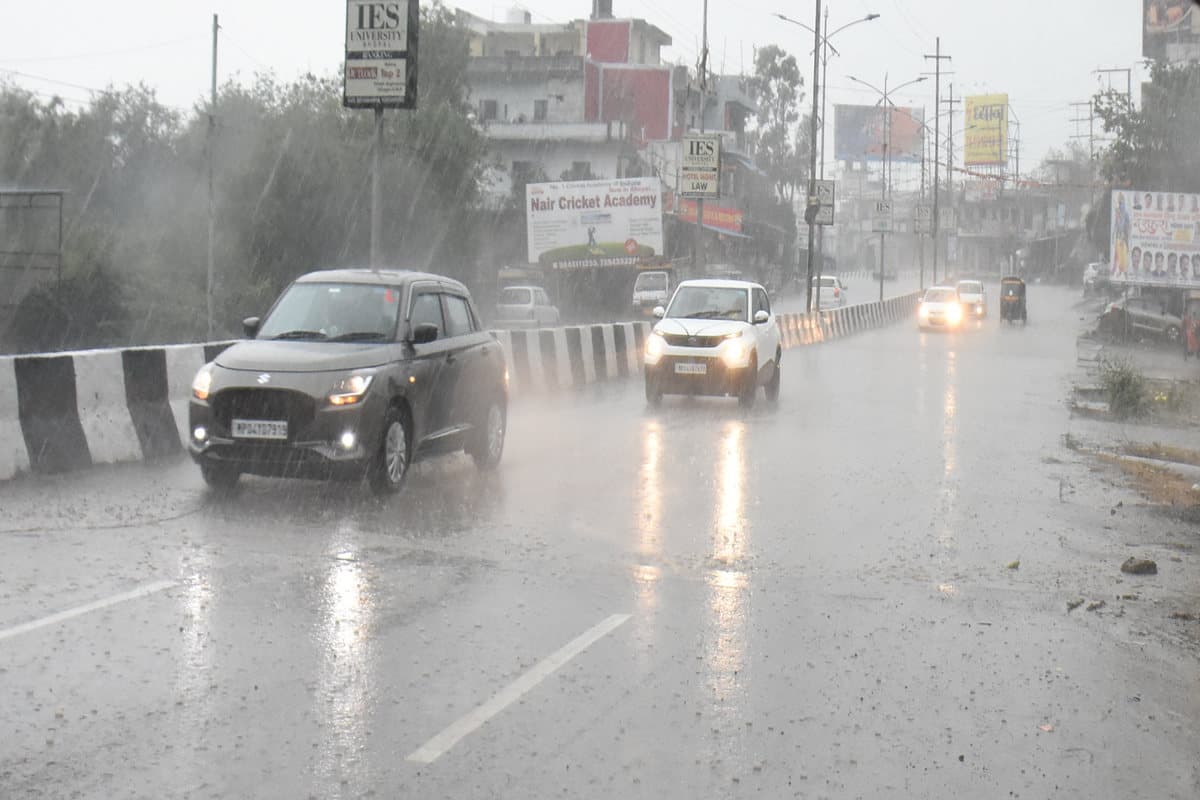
[954, 313]
[656, 345]
[351, 390]
[924, 310]
[736, 351]
[202, 383]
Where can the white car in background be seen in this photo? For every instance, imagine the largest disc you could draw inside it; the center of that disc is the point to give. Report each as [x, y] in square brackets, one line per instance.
[525, 307]
[716, 337]
[832, 292]
[973, 298]
[941, 309]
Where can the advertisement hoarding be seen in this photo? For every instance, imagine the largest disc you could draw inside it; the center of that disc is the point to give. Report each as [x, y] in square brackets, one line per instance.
[381, 54]
[859, 133]
[1170, 30]
[1155, 238]
[585, 224]
[719, 218]
[700, 168]
[986, 136]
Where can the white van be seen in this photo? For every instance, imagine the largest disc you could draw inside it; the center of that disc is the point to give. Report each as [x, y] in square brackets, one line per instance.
[651, 289]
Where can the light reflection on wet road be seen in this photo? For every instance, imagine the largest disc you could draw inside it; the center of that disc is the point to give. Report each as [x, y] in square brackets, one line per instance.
[816, 598]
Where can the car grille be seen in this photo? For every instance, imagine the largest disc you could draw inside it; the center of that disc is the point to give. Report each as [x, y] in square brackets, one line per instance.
[267, 404]
[683, 340]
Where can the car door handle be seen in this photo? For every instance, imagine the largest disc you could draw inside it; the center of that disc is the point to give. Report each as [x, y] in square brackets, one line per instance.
[451, 358]
[485, 351]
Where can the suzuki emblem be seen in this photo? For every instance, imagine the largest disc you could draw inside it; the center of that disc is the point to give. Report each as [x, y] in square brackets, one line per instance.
[264, 378]
[693, 340]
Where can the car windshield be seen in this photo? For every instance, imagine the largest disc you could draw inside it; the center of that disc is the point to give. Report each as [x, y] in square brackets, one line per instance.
[516, 296]
[941, 296]
[334, 311]
[970, 287]
[709, 302]
[650, 282]
[826, 282]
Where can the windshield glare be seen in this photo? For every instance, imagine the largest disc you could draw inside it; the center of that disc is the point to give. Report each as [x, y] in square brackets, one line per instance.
[334, 310]
[515, 297]
[941, 296]
[708, 302]
[651, 282]
[970, 287]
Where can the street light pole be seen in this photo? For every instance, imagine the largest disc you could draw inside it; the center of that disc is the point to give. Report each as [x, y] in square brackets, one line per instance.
[812, 146]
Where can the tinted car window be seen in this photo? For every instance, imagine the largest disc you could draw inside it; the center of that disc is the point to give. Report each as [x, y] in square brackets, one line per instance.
[458, 316]
[427, 309]
[515, 297]
[333, 310]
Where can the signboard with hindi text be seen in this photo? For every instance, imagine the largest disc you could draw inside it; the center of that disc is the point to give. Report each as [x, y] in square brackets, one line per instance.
[1155, 238]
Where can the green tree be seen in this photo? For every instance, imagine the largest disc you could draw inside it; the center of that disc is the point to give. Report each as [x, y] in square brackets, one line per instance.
[779, 147]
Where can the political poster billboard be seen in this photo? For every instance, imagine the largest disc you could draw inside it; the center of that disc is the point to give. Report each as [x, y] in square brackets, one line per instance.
[860, 133]
[1170, 30]
[986, 134]
[1155, 238]
[586, 224]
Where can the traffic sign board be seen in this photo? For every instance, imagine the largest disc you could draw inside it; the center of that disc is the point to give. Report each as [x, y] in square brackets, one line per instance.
[826, 193]
[924, 219]
[882, 223]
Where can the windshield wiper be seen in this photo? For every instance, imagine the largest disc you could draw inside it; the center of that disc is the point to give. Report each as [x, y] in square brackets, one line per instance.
[706, 315]
[365, 335]
[301, 335]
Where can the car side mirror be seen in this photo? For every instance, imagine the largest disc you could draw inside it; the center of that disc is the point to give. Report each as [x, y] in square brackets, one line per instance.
[250, 326]
[659, 312]
[425, 333]
[760, 317]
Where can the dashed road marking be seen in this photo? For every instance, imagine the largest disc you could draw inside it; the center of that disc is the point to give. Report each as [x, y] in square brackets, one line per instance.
[87, 608]
[433, 749]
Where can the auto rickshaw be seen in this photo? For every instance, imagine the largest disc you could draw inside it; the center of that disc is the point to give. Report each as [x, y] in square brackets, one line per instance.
[1012, 300]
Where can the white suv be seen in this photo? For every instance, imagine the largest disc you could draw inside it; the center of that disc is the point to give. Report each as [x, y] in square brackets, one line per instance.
[832, 292]
[717, 337]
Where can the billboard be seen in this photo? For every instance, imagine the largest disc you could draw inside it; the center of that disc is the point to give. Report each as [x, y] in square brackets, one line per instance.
[986, 136]
[1170, 30]
[859, 133]
[583, 224]
[1155, 238]
[381, 54]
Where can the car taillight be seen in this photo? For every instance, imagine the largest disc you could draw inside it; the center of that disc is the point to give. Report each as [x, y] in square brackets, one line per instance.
[837, 292]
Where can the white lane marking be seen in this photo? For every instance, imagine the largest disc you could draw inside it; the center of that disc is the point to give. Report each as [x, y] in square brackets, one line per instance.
[78, 611]
[433, 749]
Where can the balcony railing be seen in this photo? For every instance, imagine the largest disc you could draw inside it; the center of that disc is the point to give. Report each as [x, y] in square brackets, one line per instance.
[525, 65]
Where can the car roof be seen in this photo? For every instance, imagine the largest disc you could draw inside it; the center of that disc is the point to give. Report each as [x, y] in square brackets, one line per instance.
[386, 276]
[720, 283]
[944, 288]
[522, 286]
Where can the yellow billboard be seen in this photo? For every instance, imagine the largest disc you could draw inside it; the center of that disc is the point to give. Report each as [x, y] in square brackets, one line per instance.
[986, 130]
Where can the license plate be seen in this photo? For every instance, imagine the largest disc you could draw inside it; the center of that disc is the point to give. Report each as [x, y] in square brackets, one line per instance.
[691, 369]
[259, 429]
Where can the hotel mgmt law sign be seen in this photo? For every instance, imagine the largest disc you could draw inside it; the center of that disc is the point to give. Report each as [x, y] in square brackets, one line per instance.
[381, 53]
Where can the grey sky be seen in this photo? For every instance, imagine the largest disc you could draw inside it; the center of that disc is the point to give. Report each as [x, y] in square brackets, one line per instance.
[1042, 52]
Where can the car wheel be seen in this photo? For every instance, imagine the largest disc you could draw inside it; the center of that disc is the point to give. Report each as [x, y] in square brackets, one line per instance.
[773, 385]
[1172, 333]
[221, 477]
[749, 389]
[389, 465]
[654, 394]
[489, 441]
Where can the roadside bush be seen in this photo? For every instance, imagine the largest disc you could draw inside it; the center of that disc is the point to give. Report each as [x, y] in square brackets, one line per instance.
[1125, 388]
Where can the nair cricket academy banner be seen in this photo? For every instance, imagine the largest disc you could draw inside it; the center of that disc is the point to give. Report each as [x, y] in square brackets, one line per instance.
[986, 136]
[583, 224]
[1155, 237]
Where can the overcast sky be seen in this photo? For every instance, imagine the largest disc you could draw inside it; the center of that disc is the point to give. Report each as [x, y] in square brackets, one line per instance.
[1043, 53]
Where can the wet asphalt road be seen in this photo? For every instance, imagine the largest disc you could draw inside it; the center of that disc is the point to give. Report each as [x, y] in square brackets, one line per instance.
[801, 601]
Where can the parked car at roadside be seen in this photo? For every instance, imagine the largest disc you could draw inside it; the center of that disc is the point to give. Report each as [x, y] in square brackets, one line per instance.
[352, 374]
[1140, 316]
[525, 307]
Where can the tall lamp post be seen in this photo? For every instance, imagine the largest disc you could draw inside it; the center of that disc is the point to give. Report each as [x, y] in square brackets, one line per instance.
[821, 46]
[825, 47]
[885, 185]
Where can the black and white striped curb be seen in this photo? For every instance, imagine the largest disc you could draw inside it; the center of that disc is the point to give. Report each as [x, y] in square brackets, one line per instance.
[67, 411]
[798, 330]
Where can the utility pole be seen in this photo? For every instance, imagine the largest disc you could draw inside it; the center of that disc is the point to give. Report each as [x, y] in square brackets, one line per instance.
[699, 259]
[1091, 137]
[937, 135]
[377, 189]
[212, 211]
[824, 82]
[951, 102]
[1128, 82]
[812, 146]
[884, 183]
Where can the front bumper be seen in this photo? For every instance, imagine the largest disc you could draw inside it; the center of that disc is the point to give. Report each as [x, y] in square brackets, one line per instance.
[718, 379]
[314, 446]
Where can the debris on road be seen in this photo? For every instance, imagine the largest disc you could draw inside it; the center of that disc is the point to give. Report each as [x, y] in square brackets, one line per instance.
[1139, 566]
[1095, 606]
[1074, 604]
[1184, 616]
[1047, 728]
[1013, 564]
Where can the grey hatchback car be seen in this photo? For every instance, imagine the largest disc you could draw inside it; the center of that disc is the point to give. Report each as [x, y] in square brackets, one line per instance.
[352, 373]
